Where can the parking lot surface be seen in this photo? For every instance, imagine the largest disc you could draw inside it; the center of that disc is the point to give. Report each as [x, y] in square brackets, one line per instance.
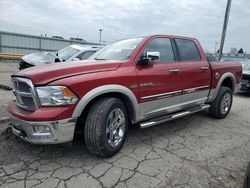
[6, 69]
[194, 151]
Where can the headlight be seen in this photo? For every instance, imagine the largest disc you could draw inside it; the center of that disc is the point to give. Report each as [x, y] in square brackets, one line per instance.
[55, 96]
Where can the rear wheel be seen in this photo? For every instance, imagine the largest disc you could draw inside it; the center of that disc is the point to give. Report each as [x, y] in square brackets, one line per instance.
[106, 127]
[221, 106]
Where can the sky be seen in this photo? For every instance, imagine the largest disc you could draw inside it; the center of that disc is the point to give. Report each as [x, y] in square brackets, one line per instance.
[202, 19]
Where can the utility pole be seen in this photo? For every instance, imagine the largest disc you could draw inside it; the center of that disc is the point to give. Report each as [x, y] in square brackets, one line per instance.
[100, 39]
[224, 29]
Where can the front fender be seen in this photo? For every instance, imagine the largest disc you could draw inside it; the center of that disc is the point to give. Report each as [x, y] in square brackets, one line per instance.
[88, 97]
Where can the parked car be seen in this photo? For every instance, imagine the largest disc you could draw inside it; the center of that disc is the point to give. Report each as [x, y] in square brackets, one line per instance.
[144, 80]
[245, 81]
[70, 53]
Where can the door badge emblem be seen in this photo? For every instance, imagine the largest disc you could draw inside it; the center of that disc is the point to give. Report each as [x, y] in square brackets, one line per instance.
[217, 75]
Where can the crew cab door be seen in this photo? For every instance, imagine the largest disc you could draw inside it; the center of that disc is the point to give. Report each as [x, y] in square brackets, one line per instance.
[159, 83]
[194, 71]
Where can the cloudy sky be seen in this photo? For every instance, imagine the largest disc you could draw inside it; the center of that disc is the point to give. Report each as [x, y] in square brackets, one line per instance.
[202, 19]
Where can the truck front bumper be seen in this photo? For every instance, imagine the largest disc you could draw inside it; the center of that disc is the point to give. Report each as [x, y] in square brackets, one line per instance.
[44, 132]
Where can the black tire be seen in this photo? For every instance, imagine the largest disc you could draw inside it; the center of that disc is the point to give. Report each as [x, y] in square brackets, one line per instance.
[95, 134]
[216, 109]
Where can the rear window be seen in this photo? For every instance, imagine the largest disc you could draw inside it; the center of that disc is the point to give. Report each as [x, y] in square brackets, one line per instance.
[188, 50]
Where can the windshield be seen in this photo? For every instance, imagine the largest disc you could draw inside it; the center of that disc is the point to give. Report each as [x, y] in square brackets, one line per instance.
[67, 53]
[246, 65]
[120, 50]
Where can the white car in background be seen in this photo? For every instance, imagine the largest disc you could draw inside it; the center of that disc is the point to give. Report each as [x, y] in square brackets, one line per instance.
[70, 53]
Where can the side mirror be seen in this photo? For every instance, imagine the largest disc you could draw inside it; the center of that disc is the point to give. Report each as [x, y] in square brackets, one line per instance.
[154, 57]
[149, 58]
[57, 60]
[75, 59]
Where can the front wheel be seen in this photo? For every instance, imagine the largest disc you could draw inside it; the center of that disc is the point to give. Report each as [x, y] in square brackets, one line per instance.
[222, 104]
[106, 127]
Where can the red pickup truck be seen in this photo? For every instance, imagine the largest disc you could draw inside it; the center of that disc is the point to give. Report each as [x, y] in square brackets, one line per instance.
[144, 80]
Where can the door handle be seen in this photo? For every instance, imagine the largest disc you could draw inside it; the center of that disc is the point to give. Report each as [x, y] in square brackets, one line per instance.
[204, 68]
[174, 71]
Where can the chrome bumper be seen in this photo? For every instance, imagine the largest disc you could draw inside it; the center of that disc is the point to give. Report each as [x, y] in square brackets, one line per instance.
[51, 132]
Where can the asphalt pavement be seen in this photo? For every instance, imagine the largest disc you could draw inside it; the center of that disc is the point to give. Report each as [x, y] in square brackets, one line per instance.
[194, 151]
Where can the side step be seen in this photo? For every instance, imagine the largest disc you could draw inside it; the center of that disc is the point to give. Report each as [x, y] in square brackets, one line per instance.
[169, 117]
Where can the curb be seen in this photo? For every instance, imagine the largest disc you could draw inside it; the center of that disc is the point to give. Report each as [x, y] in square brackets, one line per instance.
[4, 119]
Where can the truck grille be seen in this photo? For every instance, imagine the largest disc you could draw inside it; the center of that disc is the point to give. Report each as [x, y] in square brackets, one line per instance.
[25, 94]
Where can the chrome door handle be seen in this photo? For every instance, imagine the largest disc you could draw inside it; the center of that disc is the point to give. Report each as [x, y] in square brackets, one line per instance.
[204, 68]
[174, 71]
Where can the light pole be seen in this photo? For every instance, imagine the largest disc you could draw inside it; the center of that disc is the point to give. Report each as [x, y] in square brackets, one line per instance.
[215, 47]
[223, 35]
[100, 39]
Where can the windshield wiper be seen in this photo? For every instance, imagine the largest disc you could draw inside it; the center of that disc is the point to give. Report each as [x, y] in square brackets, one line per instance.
[100, 59]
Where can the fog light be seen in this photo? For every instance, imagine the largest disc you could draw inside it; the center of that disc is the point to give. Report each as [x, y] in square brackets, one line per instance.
[41, 129]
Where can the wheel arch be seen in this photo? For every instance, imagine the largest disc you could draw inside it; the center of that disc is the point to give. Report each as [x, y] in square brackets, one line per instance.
[227, 80]
[119, 91]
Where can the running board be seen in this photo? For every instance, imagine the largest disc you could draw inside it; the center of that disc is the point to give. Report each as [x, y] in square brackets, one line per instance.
[166, 118]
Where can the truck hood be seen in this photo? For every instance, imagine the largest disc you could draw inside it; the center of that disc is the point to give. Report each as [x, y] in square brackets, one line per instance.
[43, 74]
[40, 58]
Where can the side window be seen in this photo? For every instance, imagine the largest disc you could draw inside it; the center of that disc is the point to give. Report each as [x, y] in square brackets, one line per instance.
[85, 55]
[188, 50]
[162, 45]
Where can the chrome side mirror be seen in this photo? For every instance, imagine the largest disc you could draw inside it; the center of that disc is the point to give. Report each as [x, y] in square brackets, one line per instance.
[153, 57]
[149, 58]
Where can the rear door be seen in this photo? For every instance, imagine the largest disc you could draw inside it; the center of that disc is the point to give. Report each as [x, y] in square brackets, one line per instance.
[159, 83]
[194, 71]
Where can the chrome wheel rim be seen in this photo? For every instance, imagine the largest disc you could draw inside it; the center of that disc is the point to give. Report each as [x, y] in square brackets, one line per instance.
[226, 103]
[115, 127]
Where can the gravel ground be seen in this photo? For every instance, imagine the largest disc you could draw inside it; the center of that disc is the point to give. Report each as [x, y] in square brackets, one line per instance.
[6, 69]
[194, 151]
[5, 98]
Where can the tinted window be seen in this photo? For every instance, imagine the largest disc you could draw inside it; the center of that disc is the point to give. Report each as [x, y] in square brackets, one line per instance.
[162, 45]
[188, 50]
[85, 55]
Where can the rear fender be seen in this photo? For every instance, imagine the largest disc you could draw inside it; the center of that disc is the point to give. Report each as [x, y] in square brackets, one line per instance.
[213, 92]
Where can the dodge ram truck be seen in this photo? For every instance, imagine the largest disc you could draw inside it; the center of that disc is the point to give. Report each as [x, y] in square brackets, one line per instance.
[143, 80]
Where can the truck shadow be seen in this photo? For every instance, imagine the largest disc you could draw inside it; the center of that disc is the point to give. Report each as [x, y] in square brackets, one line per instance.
[17, 149]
